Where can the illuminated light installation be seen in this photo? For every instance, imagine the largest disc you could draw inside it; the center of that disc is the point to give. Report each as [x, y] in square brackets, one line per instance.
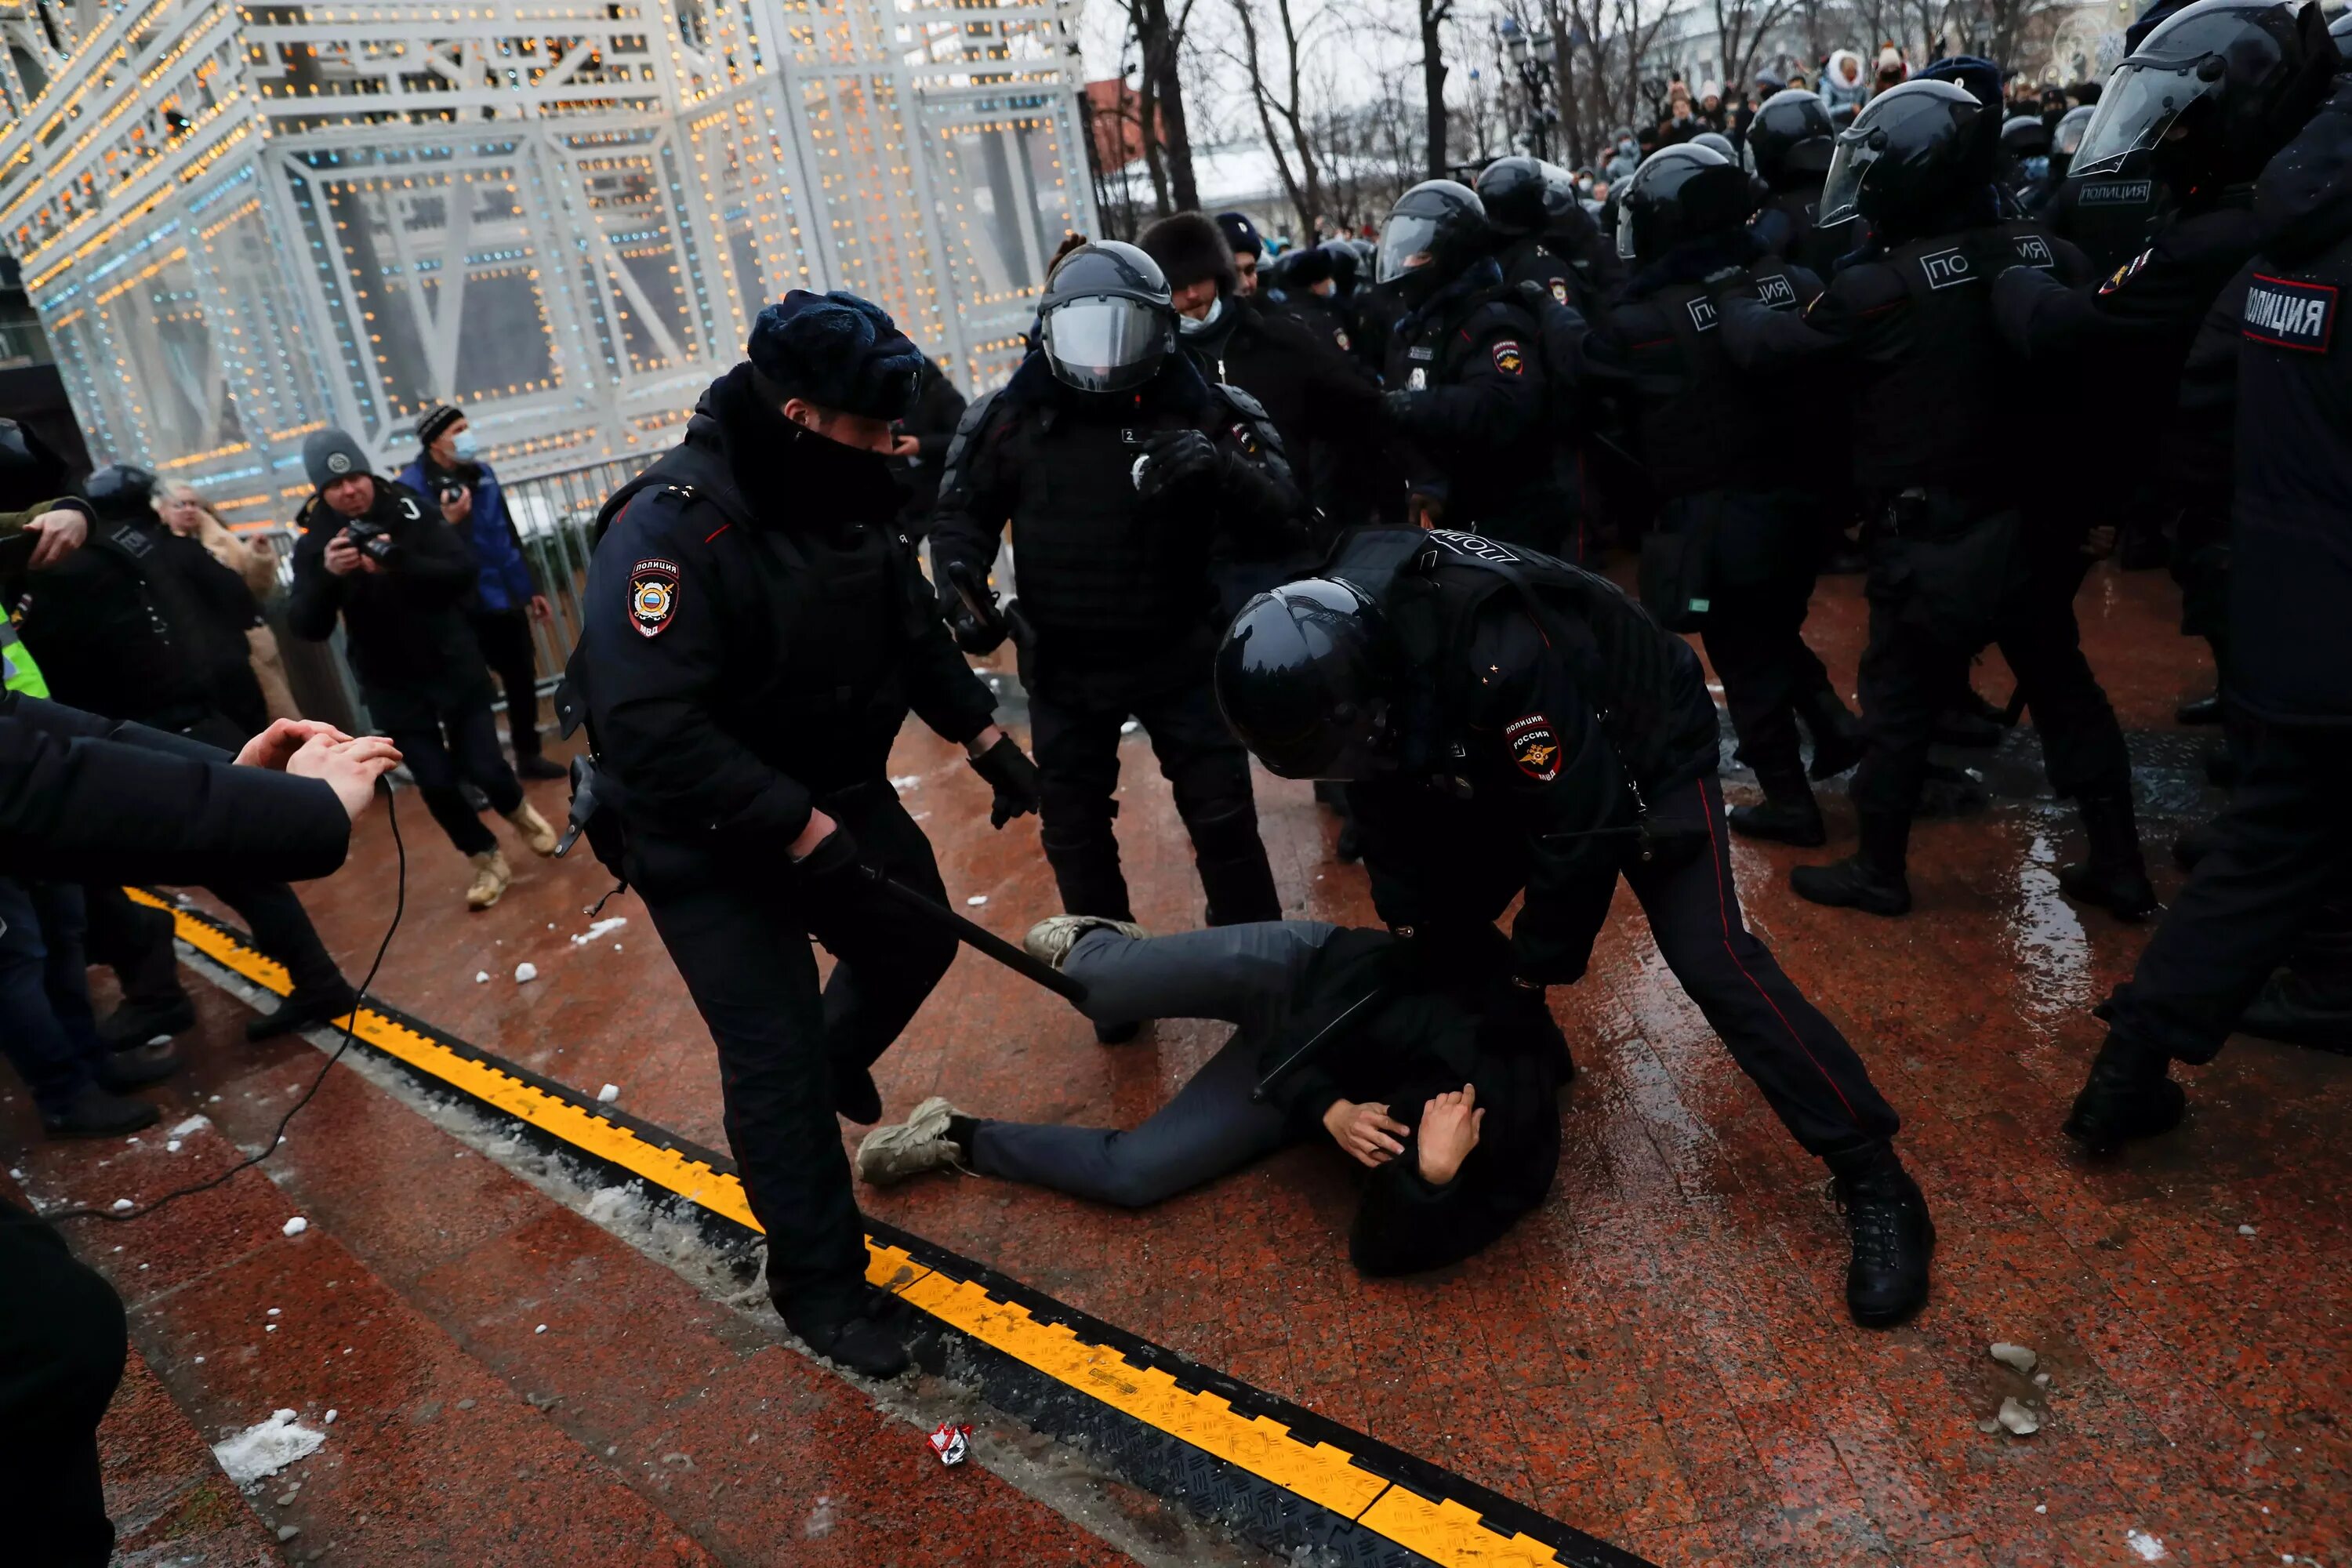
[241, 223]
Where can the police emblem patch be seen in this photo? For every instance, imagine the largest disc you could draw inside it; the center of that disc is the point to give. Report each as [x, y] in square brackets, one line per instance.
[652, 595]
[2288, 313]
[1508, 358]
[1534, 747]
[1341, 339]
[2123, 275]
[1559, 290]
[1418, 381]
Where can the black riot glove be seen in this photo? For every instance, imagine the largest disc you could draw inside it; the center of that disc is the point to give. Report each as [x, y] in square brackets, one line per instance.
[1014, 777]
[971, 635]
[1397, 406]
[834, 861]
[1175, 459]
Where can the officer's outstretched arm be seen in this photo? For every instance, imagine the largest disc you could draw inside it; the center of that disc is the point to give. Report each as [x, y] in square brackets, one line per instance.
[1758, 338]
[1255, 484]
[653, 636]
[976, 494]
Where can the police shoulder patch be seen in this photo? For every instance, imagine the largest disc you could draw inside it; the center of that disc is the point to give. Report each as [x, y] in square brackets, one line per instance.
[1559, 290]
[652, 595]
[1339, 336]
[1535, 747]
[1509, 359]
[2123, 275]
[2289, 314]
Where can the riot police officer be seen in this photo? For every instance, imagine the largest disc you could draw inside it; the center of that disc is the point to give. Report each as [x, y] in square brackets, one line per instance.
[1516, 193]
[2280, 847]
[1466, 385]
[1511, 724]
[1733, 553]
[1125, 475]
[754, 631]
[1912, 323]
[1792, 140]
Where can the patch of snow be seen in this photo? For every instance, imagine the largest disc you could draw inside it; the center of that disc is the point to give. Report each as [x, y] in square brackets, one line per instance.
[120, 1204]
[819, 1522]
[295, 1227]
[540, 1330]
[974, 901]
[481, 977]
[526, 972]
[602, 928]
[193, 1124]
[2149, 1548]
[267, 1447]
[609, 1093]
[905, 781]
[2017, 1358]
[329, 1417]
[275, 1310]
[2020, 1420]
[171, 1146]
[2245, 1230]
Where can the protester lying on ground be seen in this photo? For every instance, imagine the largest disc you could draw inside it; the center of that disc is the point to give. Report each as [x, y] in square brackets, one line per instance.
[1358, 1033]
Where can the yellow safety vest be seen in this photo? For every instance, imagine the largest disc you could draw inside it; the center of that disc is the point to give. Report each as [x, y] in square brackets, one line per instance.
[16, 665]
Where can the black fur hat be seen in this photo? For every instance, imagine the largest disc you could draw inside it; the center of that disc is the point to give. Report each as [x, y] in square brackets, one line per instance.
[1190, 246]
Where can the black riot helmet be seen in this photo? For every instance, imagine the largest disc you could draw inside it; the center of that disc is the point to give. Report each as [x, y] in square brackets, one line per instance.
[1679, 193]
[2024, 136]
[2212, 92]
[1436, 230]
[29, 472]
[1561, 204]
[1791, 138]
[1512, 191]
[1915, 152]
[1304, 678]
[122, 493]
[1105, 321]
[1717, 141]
[2067, 136]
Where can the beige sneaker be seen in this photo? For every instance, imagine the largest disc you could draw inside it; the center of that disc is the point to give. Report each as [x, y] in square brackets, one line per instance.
[537, 835]
[491, 879]
[890, 1154]
[1051, 939]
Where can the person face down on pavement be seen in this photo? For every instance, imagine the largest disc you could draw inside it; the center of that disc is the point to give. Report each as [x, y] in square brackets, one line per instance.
[1514, 727]
[756, 630]
[1341, 1035]
[1127, 480]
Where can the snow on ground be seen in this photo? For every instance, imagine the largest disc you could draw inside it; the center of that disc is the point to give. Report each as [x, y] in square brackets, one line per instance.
[266, 1447]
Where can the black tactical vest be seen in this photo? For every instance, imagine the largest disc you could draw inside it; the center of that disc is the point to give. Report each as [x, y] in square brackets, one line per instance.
[1929, 420]
[1698, 422]
[1644, 684]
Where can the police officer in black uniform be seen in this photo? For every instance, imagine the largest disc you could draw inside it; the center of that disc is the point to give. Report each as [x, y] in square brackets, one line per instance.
[1568, 231]
[2281, 846]
[139, 625]
[1911, 324]
[1511, 724]
[1735, 546]
[755, 630]
[1792, 140]
[1516, 193]
[1124, 474]
[1467, 386]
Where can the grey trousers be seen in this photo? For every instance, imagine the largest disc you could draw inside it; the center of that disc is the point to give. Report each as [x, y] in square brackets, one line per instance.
[1244, 975]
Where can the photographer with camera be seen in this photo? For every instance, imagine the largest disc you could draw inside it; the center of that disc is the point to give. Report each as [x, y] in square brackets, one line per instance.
[378, 555]
[448, 468]
[93, 799]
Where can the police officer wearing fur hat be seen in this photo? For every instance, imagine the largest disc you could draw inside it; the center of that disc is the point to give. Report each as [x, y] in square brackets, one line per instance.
[755, 631]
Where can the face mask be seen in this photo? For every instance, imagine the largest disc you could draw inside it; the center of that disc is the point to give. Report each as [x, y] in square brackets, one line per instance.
[463, 446]
[1190, 328]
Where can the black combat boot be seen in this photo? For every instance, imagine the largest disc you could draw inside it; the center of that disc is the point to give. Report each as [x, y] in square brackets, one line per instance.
[1964, 727]
[1232, 861]
[1871, 878]
[1838, 743]
[137, 1022]
[2113, 877]
[136, 1066]
[1893, 1237]
[305, 1009]
[96, 1111]
[865, 1334]
[2128, 1096]
[1788, 814]
[2200, 711]
[2299, 1011]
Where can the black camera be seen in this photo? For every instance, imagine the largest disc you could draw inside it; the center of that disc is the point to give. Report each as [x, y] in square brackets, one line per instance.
[452, 492]
[372, 539]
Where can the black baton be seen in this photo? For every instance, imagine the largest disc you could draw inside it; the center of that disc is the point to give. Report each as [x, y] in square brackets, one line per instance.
[981, 937]
[1282, 1069]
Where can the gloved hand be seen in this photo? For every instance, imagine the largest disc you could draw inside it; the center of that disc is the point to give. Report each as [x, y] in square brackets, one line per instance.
[1013, 776]
[970, 634]
[833, 859]
[1175, 457]
[1396, 406]
[1723, 279]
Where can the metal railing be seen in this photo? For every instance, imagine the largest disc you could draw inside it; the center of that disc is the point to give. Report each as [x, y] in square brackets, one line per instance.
[24, 343]
[555, 514]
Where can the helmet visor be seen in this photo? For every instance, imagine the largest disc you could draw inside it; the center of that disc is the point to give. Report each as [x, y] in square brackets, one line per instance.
[1105, 343]
[2069, 138]
[1407, 241]
[2139, 105]
[1841, 192]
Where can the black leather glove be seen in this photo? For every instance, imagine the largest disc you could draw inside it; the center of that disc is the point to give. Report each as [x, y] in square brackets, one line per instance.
[834, 859]
[1014, 777]
[1173, 459]
[971, 635]
[1396, 406]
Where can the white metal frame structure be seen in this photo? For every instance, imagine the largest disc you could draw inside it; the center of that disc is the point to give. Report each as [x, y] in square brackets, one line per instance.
[241, 222]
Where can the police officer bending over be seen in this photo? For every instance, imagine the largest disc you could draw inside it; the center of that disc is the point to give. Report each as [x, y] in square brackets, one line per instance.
[1508, 724]
[755, 631]
[1734, 554]
[2281, 846]
[1913, 322]
[1464, 372]
[1124, 475]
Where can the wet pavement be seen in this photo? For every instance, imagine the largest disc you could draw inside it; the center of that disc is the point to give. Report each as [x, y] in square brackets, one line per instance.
[1659, 1357]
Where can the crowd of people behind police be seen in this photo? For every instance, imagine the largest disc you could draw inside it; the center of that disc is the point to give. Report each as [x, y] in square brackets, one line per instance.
[1332, 510]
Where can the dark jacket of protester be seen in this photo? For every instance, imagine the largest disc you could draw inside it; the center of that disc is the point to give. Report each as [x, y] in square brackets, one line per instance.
[502, 582]
[1119, 589]
[782, 631]
[410, 644]
[2291, 573]
[141, 624]
[84, 798]
[1430, 1036]
[938, 409]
